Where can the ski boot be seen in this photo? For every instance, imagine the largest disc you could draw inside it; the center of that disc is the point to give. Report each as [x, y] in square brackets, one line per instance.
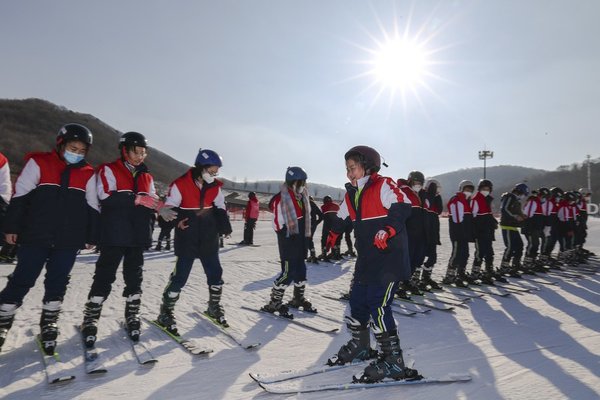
[7, 316]
[426, 283]
[502, 271]
[516, 268]
[132, 316]
[158, 246]
[49, 326]
[166, 318]
[462, 280]
[91, 315]
[450, 278]
[299, 301]
[336, 254]
[276, 304]
[411, 286]
[528, 266]
[324, 256]
[390, 363]
[487, 277]
[313, 257]
[350, 253]
[168, 245]
[215, 310]
[358, 348]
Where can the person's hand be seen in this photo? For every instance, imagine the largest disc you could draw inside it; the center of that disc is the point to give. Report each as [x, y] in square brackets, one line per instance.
[146, 201]
[89, 246]
[11, 238]
[166, 212]
[183, 225]
[382, 237]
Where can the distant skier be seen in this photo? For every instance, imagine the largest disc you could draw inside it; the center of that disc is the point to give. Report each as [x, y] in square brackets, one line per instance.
[316, 217]
[378, 210]
[433, 206]
[484, 227]
[166, 228]
[199, 202]
[511, 219]
[5, 193]
[250, 218]
[128, 200]
[52, 215]
[329, 210]
[291, 222]
[567, 217]
[461, 233]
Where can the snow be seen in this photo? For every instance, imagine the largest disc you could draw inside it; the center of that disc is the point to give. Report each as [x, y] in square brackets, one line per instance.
[544, 345]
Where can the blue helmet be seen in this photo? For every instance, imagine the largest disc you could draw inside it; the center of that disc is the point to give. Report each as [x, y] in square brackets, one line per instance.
[522, 188]
[206, 158]
[295, 174]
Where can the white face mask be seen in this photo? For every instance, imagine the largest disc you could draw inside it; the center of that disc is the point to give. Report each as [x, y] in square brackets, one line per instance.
[300, 189]
[521, 197]
[486, 193]
[587, 199]
[468, 194]
[416, 188]
[207, 177]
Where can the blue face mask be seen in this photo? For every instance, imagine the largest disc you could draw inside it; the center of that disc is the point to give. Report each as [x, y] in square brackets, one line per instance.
[72, 158]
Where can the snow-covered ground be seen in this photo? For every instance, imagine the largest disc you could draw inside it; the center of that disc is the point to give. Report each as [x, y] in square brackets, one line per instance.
[534, 346]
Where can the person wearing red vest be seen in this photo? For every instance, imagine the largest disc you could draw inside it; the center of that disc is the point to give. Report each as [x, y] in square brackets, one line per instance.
[292, 224]
[250, 217]
[484, 227]
[329, 209]
[551, 233]
[461, 233]
[533, 230]
[566, 214]
[127, 201]
[378, 210]
[199, 202]
[5, 193]
[52, 215]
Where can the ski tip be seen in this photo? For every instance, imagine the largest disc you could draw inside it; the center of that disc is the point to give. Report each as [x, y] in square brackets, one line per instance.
[62, 379]
[255, 377]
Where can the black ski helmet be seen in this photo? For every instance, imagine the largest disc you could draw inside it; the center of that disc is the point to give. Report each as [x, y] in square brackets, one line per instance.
[132, 139]
[295, 174]
[521, 188]
[327, 199]
[416, 176]
[570, 196]
[484, 183]
[70, 132]
[544, 191]
[251, 195]
[557, 192]
[367, 156]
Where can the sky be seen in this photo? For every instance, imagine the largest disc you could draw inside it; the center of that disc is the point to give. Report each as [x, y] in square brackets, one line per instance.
[270, 84]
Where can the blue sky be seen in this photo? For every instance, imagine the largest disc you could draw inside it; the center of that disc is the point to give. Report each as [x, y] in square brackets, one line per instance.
[269, 84]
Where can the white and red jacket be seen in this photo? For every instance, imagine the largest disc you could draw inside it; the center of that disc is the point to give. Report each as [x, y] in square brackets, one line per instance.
[535, 214]
[252, 209]
[459, 213]
[5, 185]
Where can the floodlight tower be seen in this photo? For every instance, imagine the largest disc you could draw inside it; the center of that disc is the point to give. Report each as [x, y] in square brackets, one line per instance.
[484, 155]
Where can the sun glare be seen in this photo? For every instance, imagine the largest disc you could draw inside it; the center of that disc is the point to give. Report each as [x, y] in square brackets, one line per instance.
[400, 64]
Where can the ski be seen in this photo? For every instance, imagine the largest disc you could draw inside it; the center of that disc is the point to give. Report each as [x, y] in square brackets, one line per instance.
[429, 303]
[442, 300]
[52, 364]
[187, 344]
[293, 321]
[448, 296]
[404, 311]
[494, 291]
[234, 334]
[410, 309]
[510, 287]
[286, 388]
[141, 352]
[540, 280]
[462, 292]
[294, 374]
[91, 357]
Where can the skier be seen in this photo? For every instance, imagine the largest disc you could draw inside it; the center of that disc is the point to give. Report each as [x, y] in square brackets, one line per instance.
[378, 210]
[316, 217]
[484, 226]
[566, 214]
[52, 215]
[127, 199]
[166, 227]
[5, 193]
[291, 222]
[199, 202]
[348, 239]
[585, 196]
[511, 219]
[250, 217]
[433, 206]
[551, 226]
[533, 230]
[415, 229]
[461, 232]
[329, 210]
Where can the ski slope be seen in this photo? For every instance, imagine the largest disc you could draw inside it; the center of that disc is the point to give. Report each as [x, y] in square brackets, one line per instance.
[544, 345]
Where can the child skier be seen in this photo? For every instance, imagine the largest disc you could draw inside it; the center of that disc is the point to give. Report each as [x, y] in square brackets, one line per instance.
[378, 211]
[461, 233]
[329, 210]
[433, 206]
[484, 226]
[510, 221]
[128, 200]
[291, 222]
[533, 230]
[316, 217]
[201, 218]
[250, 217]
[5, 193]
[52, 215]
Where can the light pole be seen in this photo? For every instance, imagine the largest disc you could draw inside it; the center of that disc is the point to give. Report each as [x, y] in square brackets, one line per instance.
[484, 155]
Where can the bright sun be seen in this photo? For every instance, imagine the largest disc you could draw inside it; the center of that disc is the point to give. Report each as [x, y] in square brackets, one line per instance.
[399, 64]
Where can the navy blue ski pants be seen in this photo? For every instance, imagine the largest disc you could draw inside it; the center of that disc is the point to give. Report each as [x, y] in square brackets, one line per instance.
[373, 301]
[183, 267]
[106, 270]
[514, 245]
[291, 253]
[58, 262]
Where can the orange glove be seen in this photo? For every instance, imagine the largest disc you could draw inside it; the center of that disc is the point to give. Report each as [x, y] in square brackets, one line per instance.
[382, 236]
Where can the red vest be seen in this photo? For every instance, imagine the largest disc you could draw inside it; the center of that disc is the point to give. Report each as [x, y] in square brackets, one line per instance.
[52, 166]
[124, 178]
[370, 206]
[192, 198]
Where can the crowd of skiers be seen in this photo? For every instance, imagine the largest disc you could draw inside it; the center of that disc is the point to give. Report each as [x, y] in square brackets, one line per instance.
[60, 205]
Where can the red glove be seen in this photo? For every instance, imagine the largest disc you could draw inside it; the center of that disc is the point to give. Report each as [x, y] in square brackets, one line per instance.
[331, 239]
[382, 237]
[146, 201]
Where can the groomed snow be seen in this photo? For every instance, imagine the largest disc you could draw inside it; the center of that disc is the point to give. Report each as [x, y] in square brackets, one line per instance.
[534, 346]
